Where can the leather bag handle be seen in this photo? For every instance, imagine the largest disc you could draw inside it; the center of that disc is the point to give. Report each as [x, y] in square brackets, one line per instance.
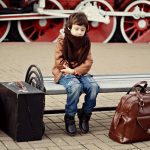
[143, 88]
[141, 82]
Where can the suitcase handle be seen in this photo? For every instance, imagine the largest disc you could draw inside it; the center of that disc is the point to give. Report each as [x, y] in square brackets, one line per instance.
[21, 85]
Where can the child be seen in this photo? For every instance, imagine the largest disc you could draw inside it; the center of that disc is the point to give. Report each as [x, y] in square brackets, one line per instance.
[73, 61]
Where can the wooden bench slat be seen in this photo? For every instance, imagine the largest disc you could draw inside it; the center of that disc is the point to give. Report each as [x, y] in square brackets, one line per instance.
[114, 76]
[108, 83]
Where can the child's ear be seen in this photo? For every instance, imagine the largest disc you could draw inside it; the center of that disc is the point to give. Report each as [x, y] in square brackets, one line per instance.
[68, 28]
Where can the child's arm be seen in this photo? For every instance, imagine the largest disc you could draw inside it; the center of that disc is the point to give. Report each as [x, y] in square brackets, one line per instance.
[67, 70]
[80, 70]
[59, 62]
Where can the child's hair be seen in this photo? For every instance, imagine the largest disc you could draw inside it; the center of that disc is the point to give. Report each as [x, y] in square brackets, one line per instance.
[78, 18]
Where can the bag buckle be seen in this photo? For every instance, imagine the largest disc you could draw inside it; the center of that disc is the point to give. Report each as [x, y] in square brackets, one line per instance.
[141, 102]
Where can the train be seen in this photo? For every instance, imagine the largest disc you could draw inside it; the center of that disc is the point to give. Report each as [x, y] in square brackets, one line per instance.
[41, 20]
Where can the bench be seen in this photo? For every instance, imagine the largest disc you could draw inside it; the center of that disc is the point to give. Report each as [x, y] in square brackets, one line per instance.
[107, 83]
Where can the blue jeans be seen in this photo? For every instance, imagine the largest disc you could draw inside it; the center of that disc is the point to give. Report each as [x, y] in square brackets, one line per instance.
[75, 85]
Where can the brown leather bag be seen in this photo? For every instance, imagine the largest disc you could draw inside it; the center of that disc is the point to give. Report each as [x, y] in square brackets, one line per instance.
[131, 121]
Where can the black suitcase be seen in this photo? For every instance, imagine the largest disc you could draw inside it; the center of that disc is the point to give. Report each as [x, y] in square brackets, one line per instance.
[21, 111]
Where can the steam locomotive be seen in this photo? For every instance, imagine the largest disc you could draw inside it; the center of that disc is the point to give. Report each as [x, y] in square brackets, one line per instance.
[41, 20]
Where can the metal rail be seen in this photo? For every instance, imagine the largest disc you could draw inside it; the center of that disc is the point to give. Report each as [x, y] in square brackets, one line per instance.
[101, 15]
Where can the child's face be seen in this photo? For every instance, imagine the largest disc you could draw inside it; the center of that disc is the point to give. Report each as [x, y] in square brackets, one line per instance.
[77, 30]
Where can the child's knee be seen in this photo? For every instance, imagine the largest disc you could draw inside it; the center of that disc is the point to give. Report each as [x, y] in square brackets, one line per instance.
[76, 87]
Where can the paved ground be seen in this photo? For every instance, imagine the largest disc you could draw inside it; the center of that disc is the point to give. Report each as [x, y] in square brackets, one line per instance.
[15, 58]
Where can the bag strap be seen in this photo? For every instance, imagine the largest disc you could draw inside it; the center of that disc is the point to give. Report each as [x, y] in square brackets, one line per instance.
[142, 82]
[143, 88]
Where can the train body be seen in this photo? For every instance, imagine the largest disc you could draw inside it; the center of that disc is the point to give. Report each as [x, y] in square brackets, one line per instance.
[109, 20]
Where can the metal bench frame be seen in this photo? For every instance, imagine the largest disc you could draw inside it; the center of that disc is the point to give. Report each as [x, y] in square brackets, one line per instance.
[107, 83]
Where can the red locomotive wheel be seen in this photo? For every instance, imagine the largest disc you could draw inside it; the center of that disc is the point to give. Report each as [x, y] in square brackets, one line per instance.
[136, 30]
[99, 31]
[42, 30]
[4, 25]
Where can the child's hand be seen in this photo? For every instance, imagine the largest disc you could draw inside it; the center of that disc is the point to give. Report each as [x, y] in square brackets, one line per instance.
[67, 70]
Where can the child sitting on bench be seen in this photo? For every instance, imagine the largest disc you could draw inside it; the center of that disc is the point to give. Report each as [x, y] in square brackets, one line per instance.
[73, 60]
